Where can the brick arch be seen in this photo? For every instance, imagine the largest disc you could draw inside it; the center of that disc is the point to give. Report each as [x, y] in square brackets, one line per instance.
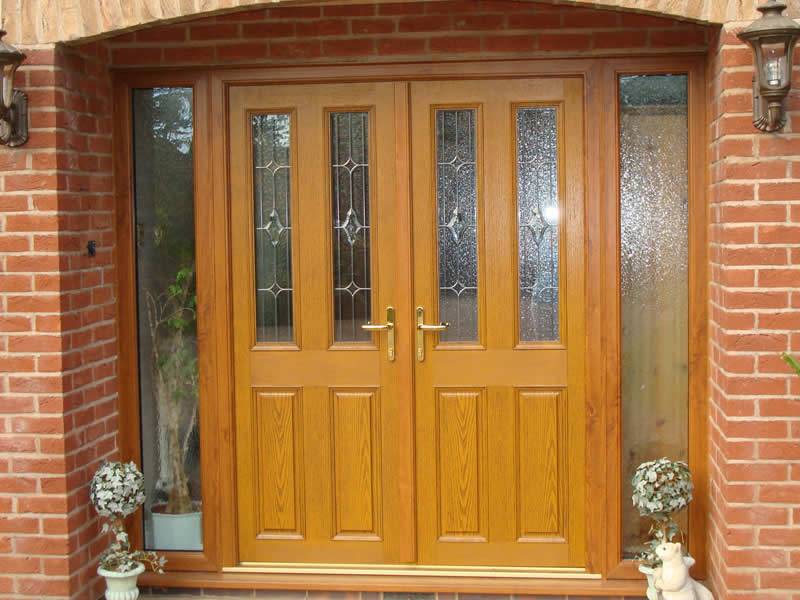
[43, 22]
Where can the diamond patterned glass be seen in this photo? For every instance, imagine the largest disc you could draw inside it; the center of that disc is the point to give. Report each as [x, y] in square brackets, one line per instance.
[538, 217]
[273, 227]
[457, 208]
[654, 242]
[163, 138]
[352, 291]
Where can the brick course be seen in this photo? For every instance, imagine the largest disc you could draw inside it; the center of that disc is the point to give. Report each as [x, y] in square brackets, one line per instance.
[378, 33]
[57, 332]
[755, 283]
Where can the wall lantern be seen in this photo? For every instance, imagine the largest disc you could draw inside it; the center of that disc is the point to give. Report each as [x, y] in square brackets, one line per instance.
[13, 103]
[772, 37]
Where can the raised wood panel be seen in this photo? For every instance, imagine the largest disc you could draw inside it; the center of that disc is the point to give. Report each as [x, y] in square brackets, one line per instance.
[539, 449]
[356, 463]
[279, 454]
[460, 452]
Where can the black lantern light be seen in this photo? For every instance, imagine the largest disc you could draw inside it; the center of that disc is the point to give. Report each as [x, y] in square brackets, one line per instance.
[13, 103]
[772, 38]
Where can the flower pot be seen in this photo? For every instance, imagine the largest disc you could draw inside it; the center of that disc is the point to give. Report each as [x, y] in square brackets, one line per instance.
[182, 531]
[122, 586]
[649, 572]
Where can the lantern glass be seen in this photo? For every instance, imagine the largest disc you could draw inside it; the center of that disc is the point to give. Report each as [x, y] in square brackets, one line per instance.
[8, 85]
[774, 68]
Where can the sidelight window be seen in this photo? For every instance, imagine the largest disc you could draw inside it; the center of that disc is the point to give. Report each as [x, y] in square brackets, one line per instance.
[654, 280]
[167, 316]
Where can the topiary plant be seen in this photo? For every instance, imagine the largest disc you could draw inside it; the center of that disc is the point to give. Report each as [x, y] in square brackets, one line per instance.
[661, 488]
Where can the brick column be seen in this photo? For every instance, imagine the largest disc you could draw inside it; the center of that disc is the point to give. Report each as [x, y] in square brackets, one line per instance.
[755, 315]
[58, 417]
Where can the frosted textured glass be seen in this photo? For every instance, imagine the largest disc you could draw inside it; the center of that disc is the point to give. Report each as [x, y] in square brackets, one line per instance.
[166, 301]
[538, 217]
[273, 227]
[351, 225]
[654, 241]
[457, 202]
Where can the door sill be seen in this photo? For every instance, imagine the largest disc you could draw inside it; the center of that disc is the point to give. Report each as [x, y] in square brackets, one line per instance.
[415, 570]
[409, 581]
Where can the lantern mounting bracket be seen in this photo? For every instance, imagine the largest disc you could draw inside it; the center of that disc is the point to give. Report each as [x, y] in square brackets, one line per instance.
[13, 103]
[772, 38]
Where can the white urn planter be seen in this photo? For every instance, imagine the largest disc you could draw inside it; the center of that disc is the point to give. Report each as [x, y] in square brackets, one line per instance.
[122, 586]
[177, 532]
[649, 572]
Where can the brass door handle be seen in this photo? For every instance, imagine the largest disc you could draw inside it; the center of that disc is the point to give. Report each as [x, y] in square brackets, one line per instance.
[422, 327]
[388, 327]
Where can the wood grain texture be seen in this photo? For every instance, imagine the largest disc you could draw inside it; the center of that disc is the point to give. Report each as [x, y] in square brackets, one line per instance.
[278, 436]
[467, 457]
[461, 477]
[352, 405]
[356, 461]
[540, 443]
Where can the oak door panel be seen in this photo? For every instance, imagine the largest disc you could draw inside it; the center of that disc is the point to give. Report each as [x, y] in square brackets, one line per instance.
[279, 458]
[499, 254]
[313, 207]
[461, 483]
[356, 463]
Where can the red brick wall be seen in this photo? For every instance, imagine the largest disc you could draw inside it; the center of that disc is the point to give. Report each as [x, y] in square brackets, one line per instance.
[755, 315]
[57, 329]
[365, 32]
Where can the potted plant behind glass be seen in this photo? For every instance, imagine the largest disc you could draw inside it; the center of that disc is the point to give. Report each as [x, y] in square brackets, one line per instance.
[172, 318]
[661, 488]
[116, 491]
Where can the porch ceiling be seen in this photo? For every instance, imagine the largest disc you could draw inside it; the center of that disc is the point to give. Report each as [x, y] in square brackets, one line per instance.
[31, 22]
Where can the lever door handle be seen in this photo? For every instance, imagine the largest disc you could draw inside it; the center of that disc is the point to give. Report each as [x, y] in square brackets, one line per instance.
[426, 327]
[388, 327]
[422, 327]
[377, 326]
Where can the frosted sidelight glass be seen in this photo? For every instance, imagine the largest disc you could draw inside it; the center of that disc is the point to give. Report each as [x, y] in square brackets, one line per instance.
[538, 220]
[457, 209]
[273, 227]
[163, 140]
[350, 194]
[654, 242]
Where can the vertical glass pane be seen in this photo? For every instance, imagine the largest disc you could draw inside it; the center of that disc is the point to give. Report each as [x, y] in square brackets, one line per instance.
[654, 221]
[165, 265]
[457, 202]
[538, 222]
[351, 225]
[273, 227]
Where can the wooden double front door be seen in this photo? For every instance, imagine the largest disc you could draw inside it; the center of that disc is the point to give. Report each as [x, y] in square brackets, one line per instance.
[409, 306]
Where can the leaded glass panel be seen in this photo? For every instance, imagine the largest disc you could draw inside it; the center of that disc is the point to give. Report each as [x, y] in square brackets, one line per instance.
[457, 207]
[538, 216]
[350, 194]
[273, 227]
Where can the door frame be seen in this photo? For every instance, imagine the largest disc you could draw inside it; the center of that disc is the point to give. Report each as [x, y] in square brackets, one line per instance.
[218, 565]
